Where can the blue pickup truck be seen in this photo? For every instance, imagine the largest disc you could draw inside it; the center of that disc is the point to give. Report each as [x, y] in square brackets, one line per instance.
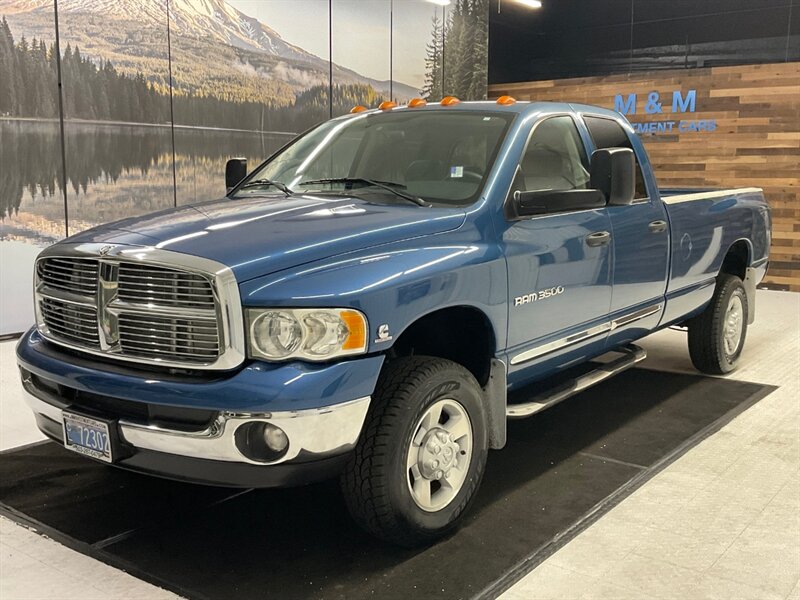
[361, 304]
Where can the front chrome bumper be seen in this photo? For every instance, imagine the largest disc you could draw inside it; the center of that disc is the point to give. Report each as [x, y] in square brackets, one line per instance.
[313, 433]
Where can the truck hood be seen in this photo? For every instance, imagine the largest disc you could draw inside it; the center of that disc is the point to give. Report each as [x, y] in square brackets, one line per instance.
[257, 236]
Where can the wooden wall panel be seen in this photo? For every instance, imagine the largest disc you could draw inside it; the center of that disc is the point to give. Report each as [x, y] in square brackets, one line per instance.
[756, 143]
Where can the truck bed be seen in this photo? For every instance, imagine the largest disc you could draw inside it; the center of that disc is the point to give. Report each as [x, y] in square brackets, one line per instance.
[704, 225]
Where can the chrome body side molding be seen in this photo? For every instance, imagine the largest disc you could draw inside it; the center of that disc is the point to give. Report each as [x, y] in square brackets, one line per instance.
[639, 314]
[585, 334]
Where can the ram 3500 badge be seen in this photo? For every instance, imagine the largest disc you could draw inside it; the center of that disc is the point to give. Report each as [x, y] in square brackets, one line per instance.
[360, 303]
[540, 295]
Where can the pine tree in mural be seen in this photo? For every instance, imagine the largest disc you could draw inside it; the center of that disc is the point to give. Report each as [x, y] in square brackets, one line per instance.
[97, 91]
[8, 91]
[433, 62]
[458, 53]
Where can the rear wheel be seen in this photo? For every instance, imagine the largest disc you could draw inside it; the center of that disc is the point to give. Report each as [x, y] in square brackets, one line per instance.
[716, 336]
[422, 452]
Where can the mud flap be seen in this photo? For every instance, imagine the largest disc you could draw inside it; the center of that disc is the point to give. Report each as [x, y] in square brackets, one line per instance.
[750, 290]
[495, 392]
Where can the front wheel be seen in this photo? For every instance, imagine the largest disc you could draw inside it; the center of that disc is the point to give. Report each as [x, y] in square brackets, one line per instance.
[421, 454]
[716, 336]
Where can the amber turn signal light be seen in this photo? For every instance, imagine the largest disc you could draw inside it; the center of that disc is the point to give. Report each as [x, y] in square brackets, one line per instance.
[417, 102]
[449, 101]
[506, 100]
[357, 328]
[358, 108]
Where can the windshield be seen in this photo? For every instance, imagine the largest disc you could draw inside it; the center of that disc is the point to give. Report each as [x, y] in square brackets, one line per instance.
[440, 158]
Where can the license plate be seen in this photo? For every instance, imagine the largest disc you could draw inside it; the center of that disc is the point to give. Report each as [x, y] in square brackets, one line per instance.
[87, 436]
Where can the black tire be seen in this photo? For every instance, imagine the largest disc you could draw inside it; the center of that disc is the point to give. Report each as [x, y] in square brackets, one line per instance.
[707, 331]
[375, 482]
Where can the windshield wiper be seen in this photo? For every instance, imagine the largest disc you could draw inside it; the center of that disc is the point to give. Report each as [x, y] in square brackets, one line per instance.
[282, 187]
[390, 186]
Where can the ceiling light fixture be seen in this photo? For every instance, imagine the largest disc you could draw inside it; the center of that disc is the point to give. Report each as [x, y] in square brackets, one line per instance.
[530, 3]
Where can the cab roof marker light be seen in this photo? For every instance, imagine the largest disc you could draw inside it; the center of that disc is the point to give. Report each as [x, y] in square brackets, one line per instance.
[387, 105]
[506, 100]
[417, 103]
[449, 101]
[357, 109]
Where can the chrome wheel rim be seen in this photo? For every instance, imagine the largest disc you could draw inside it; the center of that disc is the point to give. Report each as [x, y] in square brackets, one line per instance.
[439, 455]
[734, 323]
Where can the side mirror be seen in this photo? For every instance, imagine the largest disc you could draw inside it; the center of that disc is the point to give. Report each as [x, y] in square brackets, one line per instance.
[614, 173]
[235, 171]
[542, 202]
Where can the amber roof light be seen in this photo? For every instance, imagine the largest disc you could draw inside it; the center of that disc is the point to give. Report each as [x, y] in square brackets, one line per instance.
[358, 108]
[449, 101]
[506, 100]
[417, 103]
[387, 105]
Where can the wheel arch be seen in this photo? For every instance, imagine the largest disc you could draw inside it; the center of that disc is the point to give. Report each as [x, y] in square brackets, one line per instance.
[738, 258]
[462, 333]
[466, 335]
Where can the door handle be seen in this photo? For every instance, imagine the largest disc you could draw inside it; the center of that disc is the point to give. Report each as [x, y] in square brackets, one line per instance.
[657, 226]
[598, 238]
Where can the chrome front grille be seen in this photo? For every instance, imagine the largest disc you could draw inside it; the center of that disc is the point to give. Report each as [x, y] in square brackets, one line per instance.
[125, 302]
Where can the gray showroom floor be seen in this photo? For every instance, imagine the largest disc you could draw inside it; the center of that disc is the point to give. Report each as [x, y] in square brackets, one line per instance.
[723, 521]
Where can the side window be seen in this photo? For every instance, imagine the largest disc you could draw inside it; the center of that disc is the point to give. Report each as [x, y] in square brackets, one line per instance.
[607, 133]
[554, 159]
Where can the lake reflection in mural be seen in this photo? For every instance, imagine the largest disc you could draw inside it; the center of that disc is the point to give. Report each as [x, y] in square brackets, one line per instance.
[121, 171]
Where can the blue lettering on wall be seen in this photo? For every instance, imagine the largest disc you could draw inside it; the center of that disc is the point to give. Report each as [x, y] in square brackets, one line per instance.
[681, 103]
[628, 107]
[653, 105]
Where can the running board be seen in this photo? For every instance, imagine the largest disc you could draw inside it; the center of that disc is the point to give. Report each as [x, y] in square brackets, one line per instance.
[631, 355]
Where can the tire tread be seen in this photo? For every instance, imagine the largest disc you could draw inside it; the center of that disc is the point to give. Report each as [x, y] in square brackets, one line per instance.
[364, 483]
[705, 349]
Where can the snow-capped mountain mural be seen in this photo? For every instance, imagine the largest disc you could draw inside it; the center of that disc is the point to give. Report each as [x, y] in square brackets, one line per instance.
[212, 41]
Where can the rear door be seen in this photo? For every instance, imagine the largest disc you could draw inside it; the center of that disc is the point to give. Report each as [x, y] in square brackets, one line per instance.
[558, 276]
[641, 242]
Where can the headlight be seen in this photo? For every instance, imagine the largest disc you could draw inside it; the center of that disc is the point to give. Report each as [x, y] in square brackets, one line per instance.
[306, 334]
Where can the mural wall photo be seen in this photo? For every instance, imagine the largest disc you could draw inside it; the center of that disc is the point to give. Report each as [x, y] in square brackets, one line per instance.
[158, 94]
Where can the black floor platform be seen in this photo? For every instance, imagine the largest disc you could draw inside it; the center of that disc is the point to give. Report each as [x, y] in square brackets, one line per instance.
[560, 471]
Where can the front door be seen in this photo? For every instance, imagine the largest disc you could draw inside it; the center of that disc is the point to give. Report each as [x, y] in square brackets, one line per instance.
[559, 265]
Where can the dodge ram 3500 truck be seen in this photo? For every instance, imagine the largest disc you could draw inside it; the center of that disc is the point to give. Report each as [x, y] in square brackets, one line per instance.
[361, 303]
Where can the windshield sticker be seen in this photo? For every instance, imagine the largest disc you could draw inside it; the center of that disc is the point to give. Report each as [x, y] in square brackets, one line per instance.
[456, 171]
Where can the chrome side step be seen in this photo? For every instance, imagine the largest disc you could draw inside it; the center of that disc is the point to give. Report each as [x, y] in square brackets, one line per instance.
[631, 354]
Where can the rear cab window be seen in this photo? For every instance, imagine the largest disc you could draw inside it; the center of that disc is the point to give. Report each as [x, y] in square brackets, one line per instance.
[607, 133]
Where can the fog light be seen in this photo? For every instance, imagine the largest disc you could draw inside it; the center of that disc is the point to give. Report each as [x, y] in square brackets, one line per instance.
[261, 441]
[275, 438]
